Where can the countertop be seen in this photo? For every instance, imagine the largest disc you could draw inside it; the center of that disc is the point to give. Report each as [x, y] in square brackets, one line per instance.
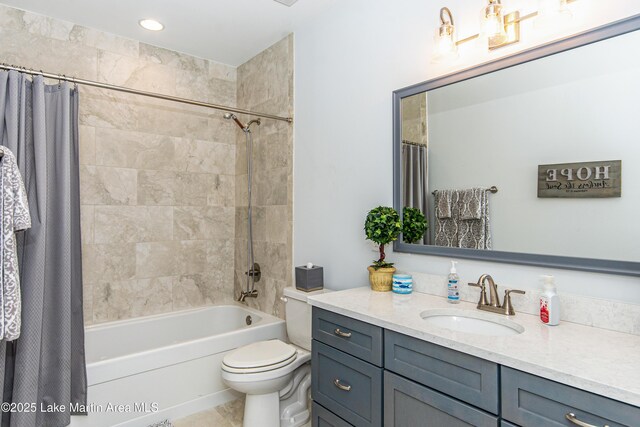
[596, 360]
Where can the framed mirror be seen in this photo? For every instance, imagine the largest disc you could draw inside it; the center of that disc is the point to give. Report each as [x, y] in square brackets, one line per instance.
[530, 159]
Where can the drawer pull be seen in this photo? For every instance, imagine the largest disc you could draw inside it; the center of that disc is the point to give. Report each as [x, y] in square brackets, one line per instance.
[341, 386]
[342, 334]
[572, 417]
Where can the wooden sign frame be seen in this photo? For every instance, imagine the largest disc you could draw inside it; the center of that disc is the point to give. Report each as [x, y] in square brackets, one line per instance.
[580, 180]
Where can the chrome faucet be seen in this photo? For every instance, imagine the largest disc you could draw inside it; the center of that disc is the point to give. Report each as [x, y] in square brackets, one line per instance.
[248, 294]
[493, 305]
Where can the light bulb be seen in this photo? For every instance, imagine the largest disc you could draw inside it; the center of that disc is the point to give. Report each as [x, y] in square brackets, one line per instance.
[492, 21]
[446, 48]
[552, 13]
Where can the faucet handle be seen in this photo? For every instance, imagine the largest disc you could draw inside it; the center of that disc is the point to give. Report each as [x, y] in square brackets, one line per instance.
[483, 293]
[508, 307]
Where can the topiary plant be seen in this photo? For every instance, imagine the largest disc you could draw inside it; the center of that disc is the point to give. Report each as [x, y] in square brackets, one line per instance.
[382, 226]
[414, 225]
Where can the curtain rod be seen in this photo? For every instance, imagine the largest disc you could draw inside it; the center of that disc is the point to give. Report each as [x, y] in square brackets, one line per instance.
[62, 77]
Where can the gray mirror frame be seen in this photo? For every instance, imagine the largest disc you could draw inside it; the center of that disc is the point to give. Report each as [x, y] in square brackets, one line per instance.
[572, 263]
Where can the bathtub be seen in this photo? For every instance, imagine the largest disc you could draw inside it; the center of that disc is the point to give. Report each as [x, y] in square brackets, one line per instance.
[144, 370]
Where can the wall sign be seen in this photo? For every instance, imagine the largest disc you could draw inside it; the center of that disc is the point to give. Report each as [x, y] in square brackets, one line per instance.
[581, 180]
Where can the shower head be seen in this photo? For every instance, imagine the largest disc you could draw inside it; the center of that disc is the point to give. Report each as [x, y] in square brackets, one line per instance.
[231, 116]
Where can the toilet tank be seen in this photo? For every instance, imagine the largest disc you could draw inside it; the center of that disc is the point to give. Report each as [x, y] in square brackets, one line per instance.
[298, 316]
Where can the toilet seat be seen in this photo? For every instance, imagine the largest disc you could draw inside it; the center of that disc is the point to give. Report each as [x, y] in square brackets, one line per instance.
[259, 357]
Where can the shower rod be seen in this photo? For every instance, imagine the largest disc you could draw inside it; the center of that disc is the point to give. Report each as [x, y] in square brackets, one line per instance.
[62, 77]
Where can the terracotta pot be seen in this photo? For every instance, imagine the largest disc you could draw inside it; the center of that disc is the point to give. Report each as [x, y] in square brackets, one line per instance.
[381, 280]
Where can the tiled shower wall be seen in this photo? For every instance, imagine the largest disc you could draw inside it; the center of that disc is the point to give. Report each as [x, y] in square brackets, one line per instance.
[265, 83]
[158, 185]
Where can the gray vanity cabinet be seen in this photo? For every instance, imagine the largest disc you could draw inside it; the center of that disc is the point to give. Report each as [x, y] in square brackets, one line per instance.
[531, 401]
[346, 371]
[355, 364]
[408, 404]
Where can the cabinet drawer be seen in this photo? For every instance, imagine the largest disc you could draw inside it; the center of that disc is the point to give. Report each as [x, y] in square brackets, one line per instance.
[504, 423]
[464, 377]
[408, 404]
[322, 418]
[357, 338]
[346, 386]
[528, 400]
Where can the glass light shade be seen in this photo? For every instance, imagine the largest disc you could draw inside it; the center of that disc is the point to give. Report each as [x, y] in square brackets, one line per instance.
[446, 48]
[552, 13]
[492, 22]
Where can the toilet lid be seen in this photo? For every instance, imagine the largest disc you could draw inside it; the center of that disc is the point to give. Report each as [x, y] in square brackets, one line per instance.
[259, 354]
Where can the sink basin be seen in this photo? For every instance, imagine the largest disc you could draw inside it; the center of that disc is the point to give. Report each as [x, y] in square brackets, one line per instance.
[471, 322]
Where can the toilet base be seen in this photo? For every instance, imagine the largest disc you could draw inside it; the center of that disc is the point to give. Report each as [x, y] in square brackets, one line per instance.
[262, 410]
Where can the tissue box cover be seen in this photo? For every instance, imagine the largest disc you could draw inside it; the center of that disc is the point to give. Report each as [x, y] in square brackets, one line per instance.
[309, 279]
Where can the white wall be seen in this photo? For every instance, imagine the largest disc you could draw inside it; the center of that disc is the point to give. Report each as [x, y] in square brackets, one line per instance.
[348, 62]
[575, 107]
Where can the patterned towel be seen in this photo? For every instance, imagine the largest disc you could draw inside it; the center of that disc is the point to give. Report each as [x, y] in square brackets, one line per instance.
[472, 203]
[444, 204]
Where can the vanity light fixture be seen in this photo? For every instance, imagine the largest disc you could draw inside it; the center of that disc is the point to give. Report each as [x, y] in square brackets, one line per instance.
[151, 24]
[498, 28]
[446, 46]
[552, 12]
[493, 24]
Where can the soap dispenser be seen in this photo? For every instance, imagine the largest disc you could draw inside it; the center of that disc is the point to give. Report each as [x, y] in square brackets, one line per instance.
[453, 291]
[549, 303]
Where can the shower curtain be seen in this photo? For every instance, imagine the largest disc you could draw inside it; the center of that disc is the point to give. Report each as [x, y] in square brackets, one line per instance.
[46, 364]
[414, 182]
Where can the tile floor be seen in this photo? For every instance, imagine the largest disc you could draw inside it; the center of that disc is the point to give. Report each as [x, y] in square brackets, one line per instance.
[227, 415]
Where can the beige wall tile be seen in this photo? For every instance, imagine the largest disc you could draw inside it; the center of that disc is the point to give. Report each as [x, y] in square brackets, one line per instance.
[111, 300]
[203, 223]
[156, 259]
[156, 187]
[108, 262]
[87, 145]
[277, 223]
[107, 186]
[152, 296]
[131, 149]
[87, 223]
[131, 224]
[104, 41]
[135, 73]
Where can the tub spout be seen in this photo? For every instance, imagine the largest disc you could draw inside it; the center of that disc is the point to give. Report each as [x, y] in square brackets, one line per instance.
[248, 294]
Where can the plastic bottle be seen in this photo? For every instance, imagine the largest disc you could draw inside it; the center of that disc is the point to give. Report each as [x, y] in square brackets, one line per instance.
[549, 303]
[453, 290]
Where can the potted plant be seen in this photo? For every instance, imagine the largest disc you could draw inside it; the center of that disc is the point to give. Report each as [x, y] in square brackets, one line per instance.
[383, 226]
[414, 225]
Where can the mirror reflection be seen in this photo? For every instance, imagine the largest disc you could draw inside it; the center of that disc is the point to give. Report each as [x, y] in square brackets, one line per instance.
[539, 158]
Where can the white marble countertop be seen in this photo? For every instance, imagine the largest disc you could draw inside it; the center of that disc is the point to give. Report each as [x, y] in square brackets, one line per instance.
[597, 360]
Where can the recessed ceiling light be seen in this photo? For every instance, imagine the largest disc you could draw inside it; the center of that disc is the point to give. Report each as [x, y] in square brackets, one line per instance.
[151, 25]
[287, 2]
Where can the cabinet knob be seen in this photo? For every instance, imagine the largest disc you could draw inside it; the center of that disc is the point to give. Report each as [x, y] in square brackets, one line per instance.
[342, 334]
[341, 386]
[572, 417]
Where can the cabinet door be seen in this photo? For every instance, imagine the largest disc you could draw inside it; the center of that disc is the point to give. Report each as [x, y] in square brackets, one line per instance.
[354, 337]
[348, 387]
[323, 418]
[531, 401]
[407, 404]
[467, 378]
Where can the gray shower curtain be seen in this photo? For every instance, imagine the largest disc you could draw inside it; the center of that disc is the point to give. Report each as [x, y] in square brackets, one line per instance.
[414, 182]
[46, 364]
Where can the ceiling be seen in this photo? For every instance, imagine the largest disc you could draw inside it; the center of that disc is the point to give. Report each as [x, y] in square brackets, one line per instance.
[226, 31]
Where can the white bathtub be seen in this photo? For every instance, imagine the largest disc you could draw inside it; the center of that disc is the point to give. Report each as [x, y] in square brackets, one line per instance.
[165, 366]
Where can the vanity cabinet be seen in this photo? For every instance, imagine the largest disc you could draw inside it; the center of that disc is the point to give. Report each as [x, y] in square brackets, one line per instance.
[346, 370]
[528, 400]
[363, 375]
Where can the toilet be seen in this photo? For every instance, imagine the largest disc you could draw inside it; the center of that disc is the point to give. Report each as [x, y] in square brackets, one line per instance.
[274, 375]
